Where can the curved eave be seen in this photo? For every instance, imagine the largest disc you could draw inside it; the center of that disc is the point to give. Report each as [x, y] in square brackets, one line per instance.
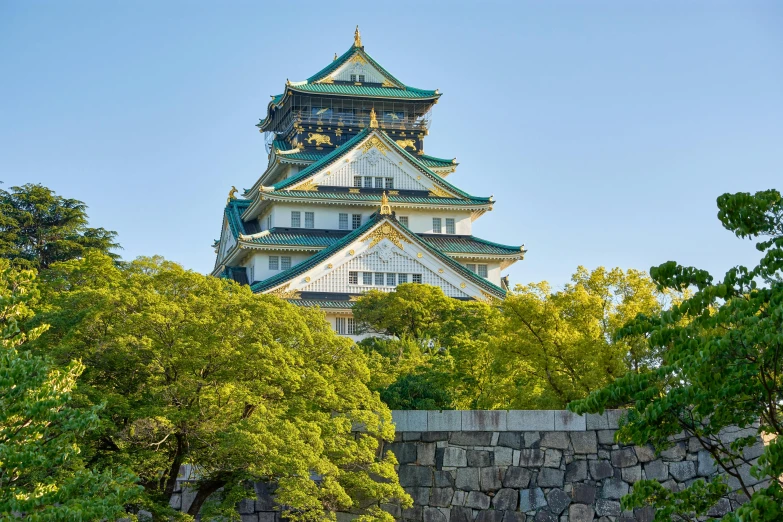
[394, 201]
[354, 91]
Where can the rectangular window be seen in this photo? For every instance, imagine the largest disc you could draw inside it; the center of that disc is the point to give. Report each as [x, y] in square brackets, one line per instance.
[482, 270]
[340, 326]
[351, 326]
[378, 278]
[285, 262]
[353, 77]
[449, 226]
[361, 77]
[389, 183]
[366, 278]
[357, 181]
[367, 181]
[296, 219]
[471, 267]
[356, 221]
[343, 221]
[403, 220]
[402, 278]
[309, 219]
[251, 274]
[353, 278]
[436, 225]
[274, 263]
[391, 279]
[416, 278]
[269, 221]
[378, 182]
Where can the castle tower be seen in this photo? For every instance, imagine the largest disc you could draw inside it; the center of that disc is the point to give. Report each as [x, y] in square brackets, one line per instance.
[349, 201]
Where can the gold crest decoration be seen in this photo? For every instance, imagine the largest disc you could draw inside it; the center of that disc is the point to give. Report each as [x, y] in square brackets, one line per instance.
[386, 231]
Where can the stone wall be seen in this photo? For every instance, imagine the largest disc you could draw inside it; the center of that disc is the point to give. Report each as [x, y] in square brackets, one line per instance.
[517, 466]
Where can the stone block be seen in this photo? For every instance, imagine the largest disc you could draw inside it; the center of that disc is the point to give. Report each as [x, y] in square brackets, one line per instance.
[555, 439]
[580, 513]
[656, 470]
[614, 489]
[420, 496]
[531, 458]
[532, 439]
[415, 476]
[552, 458]
[569, 421]
[596, 421]
[531, 499]
[607, 508]
[490, 515]
[583, 493]
[491, 478]
[249, 518]
[409, 420]
[632, 474]
[425, 454]
[530, 420]
[606, 437]
[504, 456]
[477, 500]
[517, 477]
[576, 471]
[623, 458]
[558, 500]
[454, 457]
[404, 451]
[675, 453]
[584, 442]
[462, 438]
[409, 435]
[467, 479]
[392, 509]
[188, 496]
[600, 469]
[550, 478]
[444, 479]
[721, 508]
[175, 502]
[613, 418]
[414, 514]
[441, 497]
[510, 439]
[644, 453]
[433, 514]
[706, 464]
[484, 420]
[445, 420]
[461, 514]
[513, 516]
[479, 458]
[246, 506]
[682, 471]
[434, 436]
[505, 499]
[545, 516]
[645, 514]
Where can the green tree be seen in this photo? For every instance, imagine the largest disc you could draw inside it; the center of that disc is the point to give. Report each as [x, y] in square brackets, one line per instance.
[720, 369]
[38, 228]
[42, 474]
[556, 347]
[244, 387]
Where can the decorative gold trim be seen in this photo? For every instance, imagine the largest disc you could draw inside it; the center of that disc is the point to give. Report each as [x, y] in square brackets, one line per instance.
[394, 192]
[327, 80]
[319, 139]
[487, 297]
[439, 193]
[374, 142]
[307, 279]
[440, 270]
[386, 231]
[351, 252]
[232, 194]
[358, 58]
[419, 255]
[357, 38]
[330, 265]
[387, 83]
[403, 144]
[385, 208]
[353, 190]
[462, 285]
[284, 293]
[354, 298]
[307, 186]
[373, 119]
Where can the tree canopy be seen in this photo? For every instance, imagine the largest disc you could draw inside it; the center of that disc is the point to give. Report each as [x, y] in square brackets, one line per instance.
[243, 387]
[720, 351]
[38, 228]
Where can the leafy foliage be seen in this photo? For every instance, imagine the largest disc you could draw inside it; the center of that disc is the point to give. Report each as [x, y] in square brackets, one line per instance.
[38, 228]
[42, 474]
[720, 368]
[199, 370]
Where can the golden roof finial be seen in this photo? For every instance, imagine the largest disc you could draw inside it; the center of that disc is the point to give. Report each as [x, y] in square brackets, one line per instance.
[357, 38]
[232, 194]
[373, 119]
[335, 56]
[385, 208]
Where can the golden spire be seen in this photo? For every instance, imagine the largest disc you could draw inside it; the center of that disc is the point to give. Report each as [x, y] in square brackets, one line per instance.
[335, 56]
[232, 194]
[373, 119]
[357, 38]
[385, 208]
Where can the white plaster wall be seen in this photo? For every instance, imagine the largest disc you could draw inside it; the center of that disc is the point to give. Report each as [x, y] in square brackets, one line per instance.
[493, 268]
[260, 262]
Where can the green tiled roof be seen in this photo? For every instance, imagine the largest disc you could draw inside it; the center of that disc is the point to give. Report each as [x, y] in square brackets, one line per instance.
[432, 161]
[322, 304]
[363, 90]
[347, 196]
[300, 237]
[468, 245]
[304, 155]
[344, 58]
[234, 210]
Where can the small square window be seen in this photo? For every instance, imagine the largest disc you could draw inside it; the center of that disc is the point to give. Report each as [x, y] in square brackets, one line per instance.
[296, 219]
[356, 221]
[285, 262]
[378, 182]
[343, 221]
[367, 278]
[357, 181]
[361, 77]
[353, 278]
[274, 263]
[389, 183]
[436, 226]
[416, 278]
[403, 220]
[353, 77]
[471, 267]
[351, 326]
[482, 270]
[402, 278]
[309, 219]
[449, 226]
[391, 279]
[378, 278]
[367, 181]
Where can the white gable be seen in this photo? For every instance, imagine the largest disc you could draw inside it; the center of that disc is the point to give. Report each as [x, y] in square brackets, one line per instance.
[357, 65]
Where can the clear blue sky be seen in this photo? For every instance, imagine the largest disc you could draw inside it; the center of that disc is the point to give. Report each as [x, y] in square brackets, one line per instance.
[605, 130]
